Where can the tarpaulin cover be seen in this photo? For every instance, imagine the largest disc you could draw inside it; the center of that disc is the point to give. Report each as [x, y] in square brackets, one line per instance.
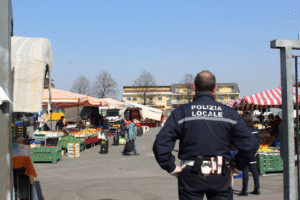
[65, 99]
[29, 59]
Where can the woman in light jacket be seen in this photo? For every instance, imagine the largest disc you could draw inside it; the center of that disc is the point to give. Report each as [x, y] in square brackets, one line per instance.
[132, 135]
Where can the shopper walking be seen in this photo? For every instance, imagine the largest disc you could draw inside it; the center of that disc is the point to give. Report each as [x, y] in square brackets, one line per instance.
[252, 166]
[206, 130]
[132, 135]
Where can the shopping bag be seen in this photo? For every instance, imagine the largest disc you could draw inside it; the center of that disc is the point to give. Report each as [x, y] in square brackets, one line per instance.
[128, 146]
[122, 140]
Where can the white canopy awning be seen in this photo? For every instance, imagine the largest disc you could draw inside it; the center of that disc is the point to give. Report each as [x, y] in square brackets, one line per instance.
[30, 58]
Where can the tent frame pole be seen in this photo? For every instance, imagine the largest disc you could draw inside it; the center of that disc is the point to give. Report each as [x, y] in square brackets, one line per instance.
[297, 123]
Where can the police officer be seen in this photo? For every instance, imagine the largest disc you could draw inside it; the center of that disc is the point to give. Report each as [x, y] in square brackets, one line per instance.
[206, 130]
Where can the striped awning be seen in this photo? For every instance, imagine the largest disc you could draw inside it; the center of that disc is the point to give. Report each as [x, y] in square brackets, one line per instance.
[232, 102]
[267, 99]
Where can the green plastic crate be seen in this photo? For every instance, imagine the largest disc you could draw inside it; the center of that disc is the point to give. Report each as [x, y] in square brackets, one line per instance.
[46, 154]
[269, 162]
[63, 142]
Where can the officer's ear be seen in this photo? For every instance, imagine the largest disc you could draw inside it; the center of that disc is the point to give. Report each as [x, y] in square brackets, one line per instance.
[215, 89]
[195, 89]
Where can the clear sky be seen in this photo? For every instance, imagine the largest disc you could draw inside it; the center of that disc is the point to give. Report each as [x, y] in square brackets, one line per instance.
[168, 38]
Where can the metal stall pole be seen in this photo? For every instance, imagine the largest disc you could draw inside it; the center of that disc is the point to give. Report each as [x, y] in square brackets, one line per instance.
[287, 133]
[297, 124]
[50, 96]
[6, 178]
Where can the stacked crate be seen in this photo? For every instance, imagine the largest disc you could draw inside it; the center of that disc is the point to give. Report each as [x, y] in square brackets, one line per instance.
[73, 150]
[269, 162]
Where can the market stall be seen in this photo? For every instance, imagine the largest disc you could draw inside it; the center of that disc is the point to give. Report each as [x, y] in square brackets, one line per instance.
[51, 145]
[269, 158]
[149, 116]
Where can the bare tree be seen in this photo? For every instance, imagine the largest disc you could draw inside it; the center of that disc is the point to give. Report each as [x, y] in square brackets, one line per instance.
[104, 86]
[81, 85]
[188, 81]
[145, 81]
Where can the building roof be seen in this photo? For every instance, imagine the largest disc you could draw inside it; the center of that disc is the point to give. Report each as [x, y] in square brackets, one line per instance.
[154, 86]
[173, 86]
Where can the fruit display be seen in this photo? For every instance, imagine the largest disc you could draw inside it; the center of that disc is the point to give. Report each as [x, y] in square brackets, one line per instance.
[267, 148]
[85, 133]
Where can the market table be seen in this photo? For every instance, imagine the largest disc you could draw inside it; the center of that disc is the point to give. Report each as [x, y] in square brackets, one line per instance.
[150, 124]
[25, 162]
[91, 140]
[24, 173]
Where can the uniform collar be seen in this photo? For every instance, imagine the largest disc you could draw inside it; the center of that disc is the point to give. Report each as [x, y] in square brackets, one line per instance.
[203, 94]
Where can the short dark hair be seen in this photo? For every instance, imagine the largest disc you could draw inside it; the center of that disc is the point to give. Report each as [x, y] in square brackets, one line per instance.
[248, 119]
[205, 81]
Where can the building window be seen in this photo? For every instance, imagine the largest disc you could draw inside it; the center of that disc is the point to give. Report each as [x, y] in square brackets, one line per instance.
[232, 97]
[178, 98]
[134, 98]
[128, 98]
[177, 90]
[159, 98]
[150, 98]
[222, 98]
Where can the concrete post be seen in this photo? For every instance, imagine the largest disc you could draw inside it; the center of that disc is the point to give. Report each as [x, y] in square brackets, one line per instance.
[6, 178]
[286, 47]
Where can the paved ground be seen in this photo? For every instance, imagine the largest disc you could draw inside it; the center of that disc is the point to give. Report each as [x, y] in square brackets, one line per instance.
[110, 176]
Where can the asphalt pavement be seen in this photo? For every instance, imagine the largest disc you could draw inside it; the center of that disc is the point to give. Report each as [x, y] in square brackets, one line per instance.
[111, 176]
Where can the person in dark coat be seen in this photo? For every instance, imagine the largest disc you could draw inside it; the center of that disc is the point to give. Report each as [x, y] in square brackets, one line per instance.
[97, 120]
[122, 128]
[60, 124]
[252, 166]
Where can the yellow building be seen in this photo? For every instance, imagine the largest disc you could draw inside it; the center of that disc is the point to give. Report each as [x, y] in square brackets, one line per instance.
[227, 92]
[154, 96]
[167, 98]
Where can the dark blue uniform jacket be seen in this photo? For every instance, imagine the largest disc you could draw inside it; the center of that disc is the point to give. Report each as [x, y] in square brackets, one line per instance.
[254, 132]
[204, 127]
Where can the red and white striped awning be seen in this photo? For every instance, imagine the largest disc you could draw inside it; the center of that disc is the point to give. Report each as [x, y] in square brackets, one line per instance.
[232, 102]
[267, 99]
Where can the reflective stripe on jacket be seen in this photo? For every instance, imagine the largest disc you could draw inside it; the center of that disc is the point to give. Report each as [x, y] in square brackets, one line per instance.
[204, 127]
